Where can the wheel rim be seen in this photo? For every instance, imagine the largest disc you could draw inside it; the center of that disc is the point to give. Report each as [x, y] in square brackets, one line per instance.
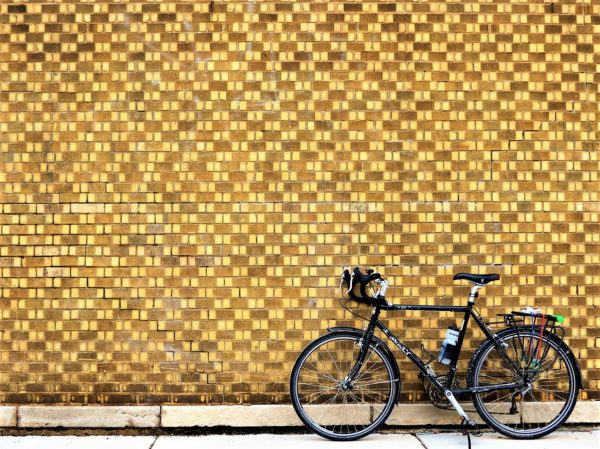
[332, 406]
[548, 386]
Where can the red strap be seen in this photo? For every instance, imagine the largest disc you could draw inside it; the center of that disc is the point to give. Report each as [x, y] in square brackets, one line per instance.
[541, 335]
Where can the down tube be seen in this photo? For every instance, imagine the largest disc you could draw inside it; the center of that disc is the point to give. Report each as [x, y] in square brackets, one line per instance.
[411, 355]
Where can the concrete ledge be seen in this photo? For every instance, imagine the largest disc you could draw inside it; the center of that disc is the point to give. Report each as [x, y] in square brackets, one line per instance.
[8, 416]
[586, 412]
[424, 414]
[229, 415]
[88, 416]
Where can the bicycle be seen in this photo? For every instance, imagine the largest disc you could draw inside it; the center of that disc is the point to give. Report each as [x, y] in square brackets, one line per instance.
[523, 380]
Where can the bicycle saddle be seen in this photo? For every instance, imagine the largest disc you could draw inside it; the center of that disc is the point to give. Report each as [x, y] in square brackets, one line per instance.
[477, 278]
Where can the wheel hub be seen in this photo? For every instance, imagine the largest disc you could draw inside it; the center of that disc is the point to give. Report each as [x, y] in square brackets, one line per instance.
[346, 385]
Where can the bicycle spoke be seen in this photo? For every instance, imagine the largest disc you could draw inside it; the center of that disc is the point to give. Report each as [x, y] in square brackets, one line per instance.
[318, 393]
[387, 382]
[334, 362]
[338, 406]
[547, 395]
[320, 373]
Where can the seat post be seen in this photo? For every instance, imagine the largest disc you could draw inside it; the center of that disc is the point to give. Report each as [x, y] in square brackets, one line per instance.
[474, 292]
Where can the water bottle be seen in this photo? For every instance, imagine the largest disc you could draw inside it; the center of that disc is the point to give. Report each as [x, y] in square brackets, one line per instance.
[449, 345]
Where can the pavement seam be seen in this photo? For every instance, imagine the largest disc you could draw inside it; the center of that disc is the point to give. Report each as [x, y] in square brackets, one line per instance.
[420, 440]
[154, 442]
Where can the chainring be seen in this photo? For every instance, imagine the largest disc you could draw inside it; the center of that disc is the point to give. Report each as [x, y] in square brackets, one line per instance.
[436, 397]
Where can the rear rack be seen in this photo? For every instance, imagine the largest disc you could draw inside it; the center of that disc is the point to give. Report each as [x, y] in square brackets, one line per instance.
[533, 349]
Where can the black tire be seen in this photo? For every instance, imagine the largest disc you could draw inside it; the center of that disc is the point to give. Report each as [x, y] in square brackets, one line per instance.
[550, 374]
[321, 402]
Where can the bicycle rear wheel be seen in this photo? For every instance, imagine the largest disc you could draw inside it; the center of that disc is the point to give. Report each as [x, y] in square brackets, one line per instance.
[548, 374]
[331, 409]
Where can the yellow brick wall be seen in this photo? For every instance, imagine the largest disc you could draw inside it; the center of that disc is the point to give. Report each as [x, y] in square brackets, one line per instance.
[181, 182]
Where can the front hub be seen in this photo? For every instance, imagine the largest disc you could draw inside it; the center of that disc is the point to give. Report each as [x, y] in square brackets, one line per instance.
[346, 385]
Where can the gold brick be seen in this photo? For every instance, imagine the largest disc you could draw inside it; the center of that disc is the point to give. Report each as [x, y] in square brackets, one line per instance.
[181, 182]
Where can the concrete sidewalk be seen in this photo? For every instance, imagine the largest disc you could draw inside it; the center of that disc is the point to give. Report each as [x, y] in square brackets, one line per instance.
[557, 440]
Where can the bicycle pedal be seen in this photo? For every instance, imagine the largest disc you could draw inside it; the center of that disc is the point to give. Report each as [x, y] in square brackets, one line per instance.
[475, 431]
[469, 426]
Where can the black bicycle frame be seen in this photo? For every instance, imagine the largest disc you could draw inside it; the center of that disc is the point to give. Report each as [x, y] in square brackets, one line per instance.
[425, 370]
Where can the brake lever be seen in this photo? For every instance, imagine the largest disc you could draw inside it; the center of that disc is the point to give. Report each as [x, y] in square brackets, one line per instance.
[384, 286]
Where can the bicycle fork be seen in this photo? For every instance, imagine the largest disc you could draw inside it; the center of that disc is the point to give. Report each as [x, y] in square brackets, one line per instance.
[363, 344]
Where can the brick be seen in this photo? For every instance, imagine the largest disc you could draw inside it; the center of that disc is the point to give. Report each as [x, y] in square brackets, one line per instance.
[193, 176]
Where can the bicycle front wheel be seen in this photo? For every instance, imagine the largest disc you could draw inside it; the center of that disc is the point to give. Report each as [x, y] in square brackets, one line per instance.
[542, 365]
[327, 405]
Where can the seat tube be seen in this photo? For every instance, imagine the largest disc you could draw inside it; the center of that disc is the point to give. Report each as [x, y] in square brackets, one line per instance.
[461, 336]
[459, 343]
